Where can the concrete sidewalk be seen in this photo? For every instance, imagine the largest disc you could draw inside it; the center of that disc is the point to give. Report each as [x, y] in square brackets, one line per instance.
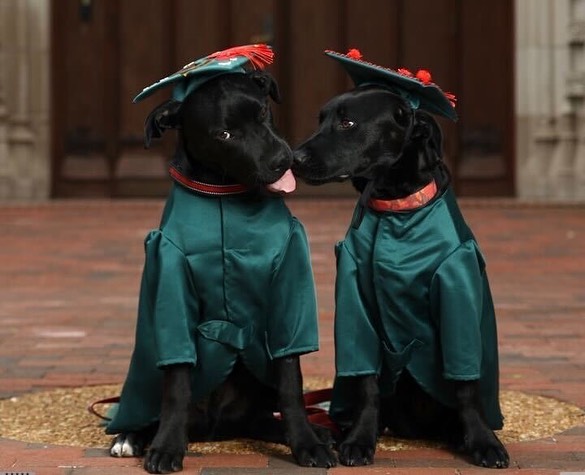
[68, 293]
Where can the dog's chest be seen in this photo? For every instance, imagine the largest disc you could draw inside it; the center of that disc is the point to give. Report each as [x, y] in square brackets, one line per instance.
[405, 249]
[231, 244]
[203, 225]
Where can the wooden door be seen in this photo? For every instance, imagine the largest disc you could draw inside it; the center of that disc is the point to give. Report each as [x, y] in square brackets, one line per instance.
[105, 51]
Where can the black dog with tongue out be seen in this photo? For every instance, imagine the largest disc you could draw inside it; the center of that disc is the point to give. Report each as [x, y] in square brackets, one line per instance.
[415, 332]
[227, 301]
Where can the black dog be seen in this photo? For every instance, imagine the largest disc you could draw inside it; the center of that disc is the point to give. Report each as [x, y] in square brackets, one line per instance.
[228, 331]
[404, 281]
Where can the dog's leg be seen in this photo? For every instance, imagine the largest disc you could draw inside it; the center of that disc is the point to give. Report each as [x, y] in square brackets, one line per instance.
[359, 445]
[479, 441]
[306, 447]
[168, 447]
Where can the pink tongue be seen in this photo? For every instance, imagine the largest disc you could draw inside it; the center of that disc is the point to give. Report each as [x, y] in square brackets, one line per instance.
[286, 183]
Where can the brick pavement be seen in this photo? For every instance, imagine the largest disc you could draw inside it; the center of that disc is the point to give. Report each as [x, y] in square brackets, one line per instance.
[68, 292]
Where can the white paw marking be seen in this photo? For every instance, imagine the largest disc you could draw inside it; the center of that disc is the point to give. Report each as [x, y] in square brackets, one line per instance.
[123, 446]
[127, 450]
[116, 450]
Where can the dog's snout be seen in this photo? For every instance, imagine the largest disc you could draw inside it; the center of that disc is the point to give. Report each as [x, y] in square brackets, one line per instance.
[299, 157]
[280, 164]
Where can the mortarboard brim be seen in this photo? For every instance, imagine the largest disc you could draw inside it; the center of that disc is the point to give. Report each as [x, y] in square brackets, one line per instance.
[239, 59]
[417, 89]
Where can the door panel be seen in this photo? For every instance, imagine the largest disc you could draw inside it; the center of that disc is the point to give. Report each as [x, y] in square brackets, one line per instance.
[311, 77]
[377, 35]
[200, 28]
[252, 21]
[429, 37]
[487, 139]
[140, 63]
[81, 123]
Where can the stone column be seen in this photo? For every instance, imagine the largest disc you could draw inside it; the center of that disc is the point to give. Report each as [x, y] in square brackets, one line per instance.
[551, 99]
[20, 136]
[568, 97]
[576, 94]
[24, 94]
[40, 70]
[537, 136]
[5, 169]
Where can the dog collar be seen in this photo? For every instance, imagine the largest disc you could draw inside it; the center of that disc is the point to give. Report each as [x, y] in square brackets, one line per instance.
[416, 200]
[206, 188]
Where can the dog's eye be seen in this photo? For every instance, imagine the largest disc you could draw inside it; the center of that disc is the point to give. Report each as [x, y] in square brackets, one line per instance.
[263, 113]
[224, 135]
[346, 124]
[401, 117]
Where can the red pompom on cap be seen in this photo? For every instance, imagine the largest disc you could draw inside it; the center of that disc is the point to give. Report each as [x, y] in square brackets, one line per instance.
[423, 76]
[354, 54]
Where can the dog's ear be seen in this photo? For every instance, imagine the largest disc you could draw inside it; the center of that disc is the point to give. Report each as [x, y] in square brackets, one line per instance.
[164, 116]
[427, 129]
[268, 84]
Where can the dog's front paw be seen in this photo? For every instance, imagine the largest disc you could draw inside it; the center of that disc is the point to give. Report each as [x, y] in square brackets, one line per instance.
[487, 451]
[323, 434]
[160, 460]
[127, 445]
[353, 454]
[318, 455]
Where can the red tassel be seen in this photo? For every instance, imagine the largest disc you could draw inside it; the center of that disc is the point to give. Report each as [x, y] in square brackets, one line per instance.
[354, 54]
[451, 97]
[258, 54]
[405, 72]
[424, 76]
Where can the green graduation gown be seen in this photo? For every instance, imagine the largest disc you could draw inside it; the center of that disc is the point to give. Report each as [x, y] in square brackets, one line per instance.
[412, 292]
[224, 278]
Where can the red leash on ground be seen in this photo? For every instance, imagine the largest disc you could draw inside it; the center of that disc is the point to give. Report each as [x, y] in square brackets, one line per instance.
[110, 400]
[316, 415]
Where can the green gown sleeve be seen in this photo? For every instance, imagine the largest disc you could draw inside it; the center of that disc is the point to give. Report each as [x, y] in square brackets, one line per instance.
[171, 296]
[164, 333]
[457, 300]
[461, 296]
[293, 326]
[358, 348]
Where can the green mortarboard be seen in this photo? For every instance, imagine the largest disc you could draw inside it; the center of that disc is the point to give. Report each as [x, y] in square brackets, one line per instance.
[417, 88]
[239, 59]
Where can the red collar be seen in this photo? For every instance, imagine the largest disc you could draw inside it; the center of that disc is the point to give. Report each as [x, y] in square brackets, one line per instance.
[416, 200]
[206, 188]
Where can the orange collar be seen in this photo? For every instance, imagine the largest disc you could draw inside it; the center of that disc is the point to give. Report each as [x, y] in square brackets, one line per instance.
[416, 200]
[206, 188]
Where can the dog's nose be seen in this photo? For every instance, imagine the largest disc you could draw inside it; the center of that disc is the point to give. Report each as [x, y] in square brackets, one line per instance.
[299, 157]
[280, 165]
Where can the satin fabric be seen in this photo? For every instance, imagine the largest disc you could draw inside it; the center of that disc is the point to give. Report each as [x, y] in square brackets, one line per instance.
[224, 278]
[412, 292]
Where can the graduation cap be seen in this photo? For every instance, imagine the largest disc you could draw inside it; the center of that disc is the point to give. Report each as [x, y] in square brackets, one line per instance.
[418, 89]
[239, 59]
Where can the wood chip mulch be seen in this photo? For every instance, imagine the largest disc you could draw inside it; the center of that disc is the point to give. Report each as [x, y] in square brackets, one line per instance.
[60, 417]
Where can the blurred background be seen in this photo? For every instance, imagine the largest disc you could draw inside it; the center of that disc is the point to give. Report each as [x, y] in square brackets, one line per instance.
[69, 69]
